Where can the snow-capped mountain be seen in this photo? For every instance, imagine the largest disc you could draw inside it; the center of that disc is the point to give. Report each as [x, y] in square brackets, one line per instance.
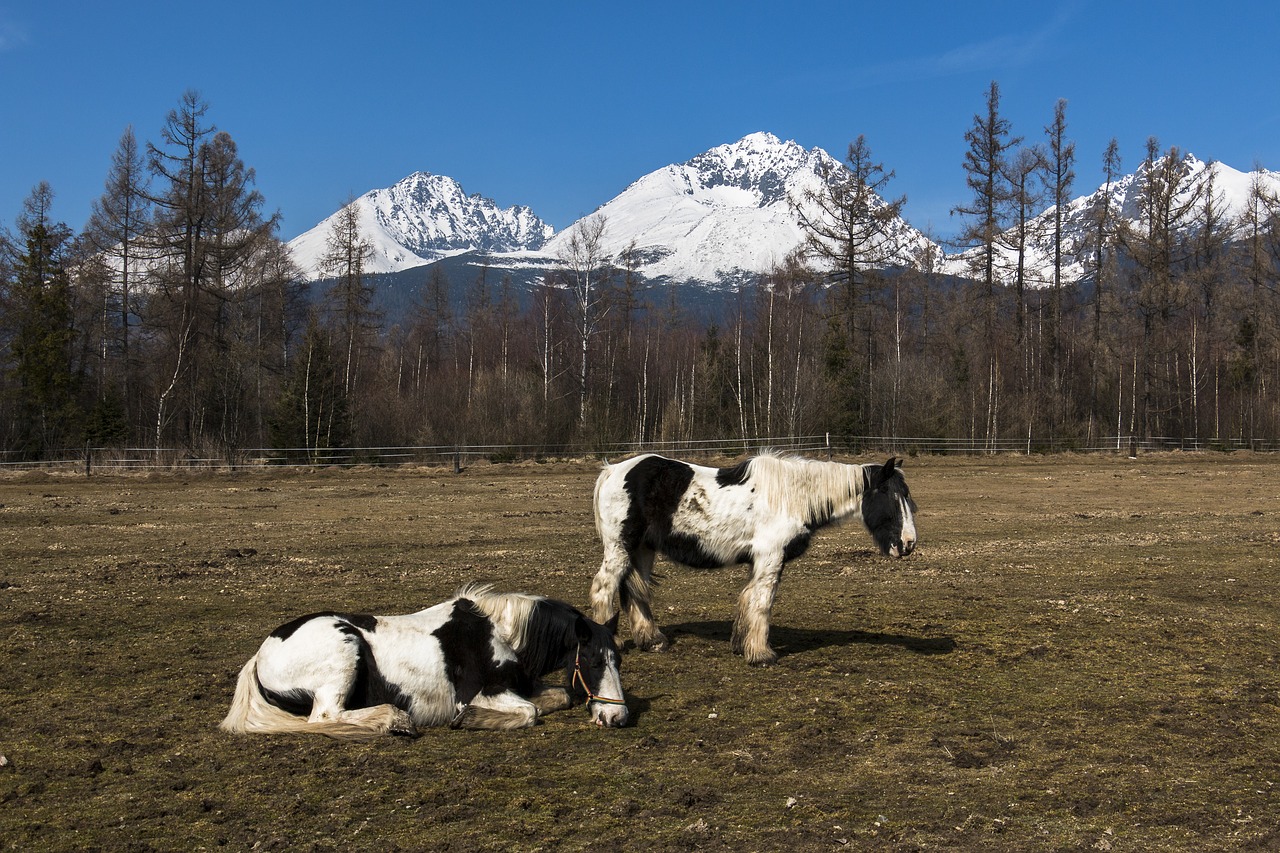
[725, 214]
[1231, 193]
[423, 218]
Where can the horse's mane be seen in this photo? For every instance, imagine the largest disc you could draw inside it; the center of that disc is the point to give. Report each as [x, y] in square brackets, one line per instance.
[810, 489]
[509, 611]
[536, 627]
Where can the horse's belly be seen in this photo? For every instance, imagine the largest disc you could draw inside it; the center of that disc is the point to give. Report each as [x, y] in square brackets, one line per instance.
[698, 553]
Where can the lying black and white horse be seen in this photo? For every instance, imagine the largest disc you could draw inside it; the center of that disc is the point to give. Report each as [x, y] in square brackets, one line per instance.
[473, 661]
[761, 512]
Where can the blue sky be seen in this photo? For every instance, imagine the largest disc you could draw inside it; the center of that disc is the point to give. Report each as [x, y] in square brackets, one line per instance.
[559, 106]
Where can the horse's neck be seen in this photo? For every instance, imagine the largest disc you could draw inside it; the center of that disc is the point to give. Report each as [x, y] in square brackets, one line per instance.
[821, 492]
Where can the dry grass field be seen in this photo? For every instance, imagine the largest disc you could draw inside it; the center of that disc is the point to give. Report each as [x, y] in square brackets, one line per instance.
[1082, 654]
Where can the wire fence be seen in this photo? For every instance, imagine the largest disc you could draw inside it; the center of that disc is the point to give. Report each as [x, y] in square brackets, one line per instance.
[90, 460]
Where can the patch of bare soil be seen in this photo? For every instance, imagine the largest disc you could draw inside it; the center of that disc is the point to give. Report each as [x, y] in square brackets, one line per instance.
[1080, 655]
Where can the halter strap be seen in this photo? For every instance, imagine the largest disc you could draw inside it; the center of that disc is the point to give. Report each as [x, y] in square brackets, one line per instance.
[579, 679]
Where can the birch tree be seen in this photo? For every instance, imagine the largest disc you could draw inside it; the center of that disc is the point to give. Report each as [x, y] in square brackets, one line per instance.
[587, 274]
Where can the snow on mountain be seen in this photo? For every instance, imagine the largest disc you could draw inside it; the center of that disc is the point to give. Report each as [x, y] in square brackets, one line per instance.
[1231, 190]
[423, 218]
[722, 215]
[725, 216]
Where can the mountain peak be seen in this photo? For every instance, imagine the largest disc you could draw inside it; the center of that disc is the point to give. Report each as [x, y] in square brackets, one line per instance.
[726, 215]
[424, 217]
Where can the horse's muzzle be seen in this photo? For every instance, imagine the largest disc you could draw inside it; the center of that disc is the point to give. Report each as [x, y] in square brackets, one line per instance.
[902, 548]
[610, 716]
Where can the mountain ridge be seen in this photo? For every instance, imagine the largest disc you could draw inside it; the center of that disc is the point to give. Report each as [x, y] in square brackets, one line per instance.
[723, 217]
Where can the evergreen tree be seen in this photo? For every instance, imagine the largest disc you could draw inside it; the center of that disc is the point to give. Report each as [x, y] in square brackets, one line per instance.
[44, 381]
[852, 230]
[986, 176]
[117, 228]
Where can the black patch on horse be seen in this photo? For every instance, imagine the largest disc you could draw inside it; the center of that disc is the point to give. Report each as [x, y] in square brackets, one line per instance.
[655, 486]
[797, 546]
[287, 630]
[554, 629]
[466, 642]
[296, 702]
[688, 550]
[359, 620]
[735, 476]
[370, 688]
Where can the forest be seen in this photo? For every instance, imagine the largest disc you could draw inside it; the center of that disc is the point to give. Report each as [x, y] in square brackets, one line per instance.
[177, 321]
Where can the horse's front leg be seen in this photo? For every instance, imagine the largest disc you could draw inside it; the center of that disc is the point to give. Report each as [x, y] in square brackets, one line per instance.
[751, 624]
[549, 699]
[499, 712]
[606, 589]
[639, 591]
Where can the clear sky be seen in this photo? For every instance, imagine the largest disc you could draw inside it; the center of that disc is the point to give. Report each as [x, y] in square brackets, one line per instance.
[559, 106]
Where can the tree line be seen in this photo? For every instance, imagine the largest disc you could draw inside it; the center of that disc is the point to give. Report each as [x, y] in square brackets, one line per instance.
[177, 319]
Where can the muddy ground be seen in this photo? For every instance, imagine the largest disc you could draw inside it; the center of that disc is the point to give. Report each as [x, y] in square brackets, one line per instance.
[1082, 654]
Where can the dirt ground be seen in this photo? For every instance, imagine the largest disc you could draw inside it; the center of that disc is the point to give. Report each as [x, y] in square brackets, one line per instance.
[1081, 654]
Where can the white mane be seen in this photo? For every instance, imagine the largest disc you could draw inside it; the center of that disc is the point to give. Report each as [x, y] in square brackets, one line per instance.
[509, 611]
[807, 488]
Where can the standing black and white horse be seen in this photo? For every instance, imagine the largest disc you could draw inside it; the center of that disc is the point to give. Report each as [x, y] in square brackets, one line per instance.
[473, 661]
[761, 512]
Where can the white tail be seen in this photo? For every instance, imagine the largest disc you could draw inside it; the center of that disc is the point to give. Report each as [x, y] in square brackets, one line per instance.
[251, 712]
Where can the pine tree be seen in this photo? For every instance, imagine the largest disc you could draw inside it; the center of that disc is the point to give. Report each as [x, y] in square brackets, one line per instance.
[116, 230]
[984, 164]
[851, 229]
[44, 380]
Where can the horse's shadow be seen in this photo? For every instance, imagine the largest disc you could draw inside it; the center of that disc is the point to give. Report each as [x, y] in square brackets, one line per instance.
[789, 641]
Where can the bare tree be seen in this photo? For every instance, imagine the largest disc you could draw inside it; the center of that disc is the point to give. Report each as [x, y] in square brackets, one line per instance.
[587, 274]
[349, 299]
[1168, 201]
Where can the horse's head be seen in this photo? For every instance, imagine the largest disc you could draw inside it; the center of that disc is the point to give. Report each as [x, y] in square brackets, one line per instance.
[597, 677]
[888, 510]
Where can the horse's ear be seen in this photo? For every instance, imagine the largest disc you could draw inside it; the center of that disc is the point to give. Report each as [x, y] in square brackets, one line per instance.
[612, 625]
[583, 629]
[883, 475]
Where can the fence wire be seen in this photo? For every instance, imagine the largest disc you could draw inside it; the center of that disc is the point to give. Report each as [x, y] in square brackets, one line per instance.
[124, 459]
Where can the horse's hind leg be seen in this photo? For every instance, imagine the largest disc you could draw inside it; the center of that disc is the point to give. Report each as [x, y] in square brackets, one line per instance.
[329, 717]
[751, 624]
[637, 594]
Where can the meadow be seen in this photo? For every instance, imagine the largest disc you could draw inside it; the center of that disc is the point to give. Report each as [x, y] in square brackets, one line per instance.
[1081, 654]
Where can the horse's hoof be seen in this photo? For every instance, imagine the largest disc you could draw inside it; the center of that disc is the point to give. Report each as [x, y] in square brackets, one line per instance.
[657, 643]
[767, 658]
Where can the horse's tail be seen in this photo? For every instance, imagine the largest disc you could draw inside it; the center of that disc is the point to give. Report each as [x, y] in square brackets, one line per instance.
[251, 713]
[595, 500]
